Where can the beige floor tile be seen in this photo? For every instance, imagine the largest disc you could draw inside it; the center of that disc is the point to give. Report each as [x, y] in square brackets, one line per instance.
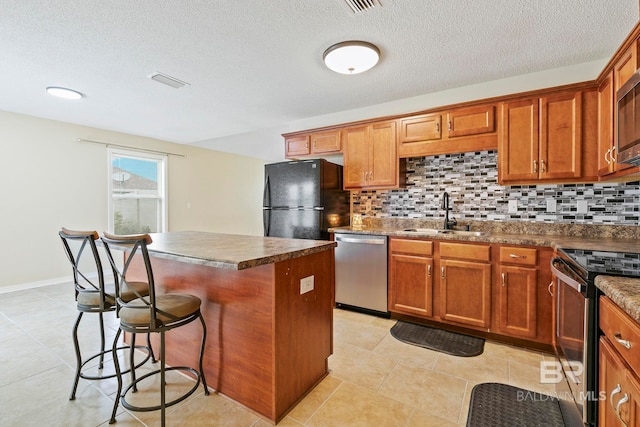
[479, 368]
[436, 393]
[310, 404]
[424, 419]
[528, 377]
[406, 353]
[363, 335]
[355, 316]
[286, 422]
[360, 366]
[353, 405]
[509, 352]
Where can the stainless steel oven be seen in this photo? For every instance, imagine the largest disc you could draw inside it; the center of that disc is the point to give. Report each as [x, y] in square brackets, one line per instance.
[577, 332]
[574, 341]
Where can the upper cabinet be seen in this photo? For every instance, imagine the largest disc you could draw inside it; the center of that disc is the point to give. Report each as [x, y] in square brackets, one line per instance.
[548, 138]
[625, 65]
[308, 144]
[455, 131]
[370, 159]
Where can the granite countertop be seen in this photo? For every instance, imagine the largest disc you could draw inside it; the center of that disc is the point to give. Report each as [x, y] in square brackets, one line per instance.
[231, 251]
[602, 243]
[624, 291]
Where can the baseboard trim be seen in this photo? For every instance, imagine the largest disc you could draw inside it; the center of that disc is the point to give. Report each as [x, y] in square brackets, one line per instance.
[33, 285]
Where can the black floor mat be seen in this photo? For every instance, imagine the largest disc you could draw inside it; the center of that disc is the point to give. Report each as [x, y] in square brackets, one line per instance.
[502, 405]
[437, 339]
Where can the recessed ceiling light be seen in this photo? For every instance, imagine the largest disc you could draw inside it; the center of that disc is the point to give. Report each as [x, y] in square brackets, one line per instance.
[62, 92]
[351, 57]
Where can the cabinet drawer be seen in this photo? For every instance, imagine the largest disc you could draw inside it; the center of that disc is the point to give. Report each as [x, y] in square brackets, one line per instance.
[465, 251]
[622, 331]
[518, 256]
[418, 247]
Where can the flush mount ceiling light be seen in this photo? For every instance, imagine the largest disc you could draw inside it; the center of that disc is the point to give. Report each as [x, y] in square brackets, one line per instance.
[63, 92]
[351, 57]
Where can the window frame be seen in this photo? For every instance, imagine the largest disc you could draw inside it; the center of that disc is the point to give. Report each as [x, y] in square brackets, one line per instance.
[162, 196]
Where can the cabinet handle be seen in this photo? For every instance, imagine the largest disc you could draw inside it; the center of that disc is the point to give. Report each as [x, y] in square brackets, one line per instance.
[503, 280]
[615, 391]
[608, 153]
[535, 166]
[306, 145]
[625, 343]
[450, 126]
[437, 127]
[428, 271]
[542, 168]
[624, 399]
[549, 288]
[314, 144]
[614, 159]
[517, 256]
[442, 273]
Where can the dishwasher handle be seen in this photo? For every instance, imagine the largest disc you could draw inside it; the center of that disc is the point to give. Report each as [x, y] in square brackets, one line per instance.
[367, 241]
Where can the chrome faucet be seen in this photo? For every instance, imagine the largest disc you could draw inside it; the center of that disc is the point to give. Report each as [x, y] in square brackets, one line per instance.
[448, 223]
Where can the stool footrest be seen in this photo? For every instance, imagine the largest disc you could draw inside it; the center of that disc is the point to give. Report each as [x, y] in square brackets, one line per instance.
[171, 403]
[104, 377]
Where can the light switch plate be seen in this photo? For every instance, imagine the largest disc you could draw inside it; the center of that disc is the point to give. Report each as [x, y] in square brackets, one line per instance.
[513, 206]
[306, 284]
[551, 205]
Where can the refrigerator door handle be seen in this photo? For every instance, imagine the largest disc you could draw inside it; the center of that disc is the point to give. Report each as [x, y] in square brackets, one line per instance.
[266, 221]
[266, 194]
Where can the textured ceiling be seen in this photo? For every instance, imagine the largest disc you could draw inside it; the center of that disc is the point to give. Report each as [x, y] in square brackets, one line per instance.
[255, 65]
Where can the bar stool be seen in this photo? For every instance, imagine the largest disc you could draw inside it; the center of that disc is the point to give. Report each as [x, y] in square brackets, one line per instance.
[94, 296]
[155, 313]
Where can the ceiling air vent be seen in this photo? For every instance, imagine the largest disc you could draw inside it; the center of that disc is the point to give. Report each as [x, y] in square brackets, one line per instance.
[167, 80]
[362, 5]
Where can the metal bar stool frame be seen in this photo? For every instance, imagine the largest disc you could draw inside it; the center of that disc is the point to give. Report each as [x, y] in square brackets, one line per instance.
[105, 303]
[158, 321]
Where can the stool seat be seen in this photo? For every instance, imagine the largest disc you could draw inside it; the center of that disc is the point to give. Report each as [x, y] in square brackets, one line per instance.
[91, 300]
[170, 308]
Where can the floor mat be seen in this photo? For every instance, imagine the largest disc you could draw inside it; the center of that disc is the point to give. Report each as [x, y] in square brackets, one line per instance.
[437, 339]
[502, 405]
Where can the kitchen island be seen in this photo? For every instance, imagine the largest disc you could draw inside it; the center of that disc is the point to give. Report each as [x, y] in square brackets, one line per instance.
[267, 303]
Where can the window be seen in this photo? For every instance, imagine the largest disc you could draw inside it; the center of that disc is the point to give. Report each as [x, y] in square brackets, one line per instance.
[137, 192]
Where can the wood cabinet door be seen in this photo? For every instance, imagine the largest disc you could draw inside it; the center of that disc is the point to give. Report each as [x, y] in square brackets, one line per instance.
[633, 406]
[605, 126]
[471, 121]
[561, 136]
[326, 142]
[518, 305]
[296, 146]
[610, 384]
[465, 292]
[518, 143]
[411, 285]
[427, 127]
[356, 157]
[382, 155]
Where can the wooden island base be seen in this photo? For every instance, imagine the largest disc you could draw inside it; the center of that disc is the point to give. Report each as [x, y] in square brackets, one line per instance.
[267, 344]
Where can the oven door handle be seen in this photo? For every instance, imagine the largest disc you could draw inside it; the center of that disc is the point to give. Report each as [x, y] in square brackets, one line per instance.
[556, 270]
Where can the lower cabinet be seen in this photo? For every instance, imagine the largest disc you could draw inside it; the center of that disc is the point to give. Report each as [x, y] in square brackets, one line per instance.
[617, 382]
[489, 287]
[411, 277]
[465, 284]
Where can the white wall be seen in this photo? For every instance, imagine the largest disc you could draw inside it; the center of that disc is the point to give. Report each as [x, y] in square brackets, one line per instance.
[48, 180]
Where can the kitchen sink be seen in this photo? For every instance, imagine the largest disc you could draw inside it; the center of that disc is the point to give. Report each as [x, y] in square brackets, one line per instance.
[436, 231]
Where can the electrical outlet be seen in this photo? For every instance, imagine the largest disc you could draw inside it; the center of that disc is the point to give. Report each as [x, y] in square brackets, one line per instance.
[513, 206]
[551, 205]
[306, 285]
[581, 207]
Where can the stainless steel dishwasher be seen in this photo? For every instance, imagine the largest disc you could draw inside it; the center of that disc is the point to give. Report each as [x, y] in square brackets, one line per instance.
[361, 273]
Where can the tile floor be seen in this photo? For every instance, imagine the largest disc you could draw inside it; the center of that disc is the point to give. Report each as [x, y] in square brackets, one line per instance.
[374, 379]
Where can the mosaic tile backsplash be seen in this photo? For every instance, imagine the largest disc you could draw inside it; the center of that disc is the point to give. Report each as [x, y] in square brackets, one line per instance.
[471, 179]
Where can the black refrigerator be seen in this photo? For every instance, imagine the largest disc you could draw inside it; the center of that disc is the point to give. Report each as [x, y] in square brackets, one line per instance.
[303, 198]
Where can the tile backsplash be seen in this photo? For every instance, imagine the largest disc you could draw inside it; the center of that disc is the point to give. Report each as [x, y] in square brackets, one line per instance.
[471, 179]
